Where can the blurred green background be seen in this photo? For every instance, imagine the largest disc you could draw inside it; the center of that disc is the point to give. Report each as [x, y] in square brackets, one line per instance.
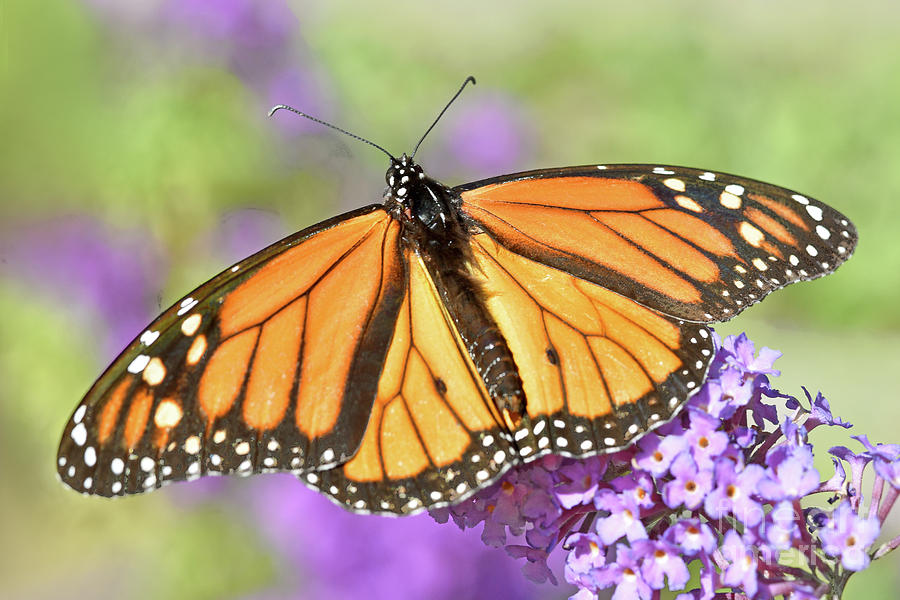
[134, 136]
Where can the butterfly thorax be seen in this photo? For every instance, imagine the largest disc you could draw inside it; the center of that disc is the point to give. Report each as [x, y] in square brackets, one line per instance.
[435, 231]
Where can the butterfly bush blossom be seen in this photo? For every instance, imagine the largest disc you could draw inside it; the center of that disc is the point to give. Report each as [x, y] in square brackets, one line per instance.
[724, 490]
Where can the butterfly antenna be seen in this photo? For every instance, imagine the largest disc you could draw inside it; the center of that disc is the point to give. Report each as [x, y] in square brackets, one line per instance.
[468, 80]
[326, 124]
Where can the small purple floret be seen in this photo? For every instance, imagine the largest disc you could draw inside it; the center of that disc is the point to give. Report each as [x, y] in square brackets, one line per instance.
[848, 536]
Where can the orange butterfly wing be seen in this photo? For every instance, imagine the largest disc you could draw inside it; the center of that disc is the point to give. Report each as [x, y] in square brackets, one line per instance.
[598, 369]
[692, 244]
[226, 381]
[433, 437]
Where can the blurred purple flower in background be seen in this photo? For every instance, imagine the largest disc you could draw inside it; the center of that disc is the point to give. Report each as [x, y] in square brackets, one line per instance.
[257, 40]
[244, 232]
[487, 135]
[251, 25]
[113, 275]
[260, 42]
[304, 88]
[327, 552]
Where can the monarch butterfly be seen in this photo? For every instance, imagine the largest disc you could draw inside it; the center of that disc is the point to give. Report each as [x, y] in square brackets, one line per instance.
[404, 355]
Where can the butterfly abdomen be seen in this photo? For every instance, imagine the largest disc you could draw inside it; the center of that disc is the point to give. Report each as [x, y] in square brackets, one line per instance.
[480, 334]
[449, 263]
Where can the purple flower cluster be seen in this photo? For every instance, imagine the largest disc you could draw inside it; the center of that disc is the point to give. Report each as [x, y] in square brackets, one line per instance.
[723, 486]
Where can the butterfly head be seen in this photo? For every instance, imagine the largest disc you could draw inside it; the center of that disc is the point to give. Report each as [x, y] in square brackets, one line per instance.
[403, 175]
[417, 199]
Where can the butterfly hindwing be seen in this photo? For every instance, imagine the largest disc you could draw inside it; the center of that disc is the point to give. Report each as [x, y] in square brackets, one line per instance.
[696, 245]
[433, 436]
[598, 369]
[251, 371]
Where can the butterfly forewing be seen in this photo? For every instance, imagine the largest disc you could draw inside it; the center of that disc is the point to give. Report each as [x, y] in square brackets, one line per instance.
[233, 378]
[693, 244]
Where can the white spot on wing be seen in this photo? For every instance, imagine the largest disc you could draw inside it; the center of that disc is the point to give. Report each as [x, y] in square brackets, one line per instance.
[688, 203]
[751, 234]
[192, 444]
[190, 325]
[154, 372]
[138, 364]
[186, 305]
[90, 456]
[673, 183]
[79, 434]
[729, 200]
[148, 337]
[814, 211]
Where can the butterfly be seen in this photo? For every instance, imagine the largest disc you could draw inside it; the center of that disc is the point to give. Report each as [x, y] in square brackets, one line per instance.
[404, 355]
